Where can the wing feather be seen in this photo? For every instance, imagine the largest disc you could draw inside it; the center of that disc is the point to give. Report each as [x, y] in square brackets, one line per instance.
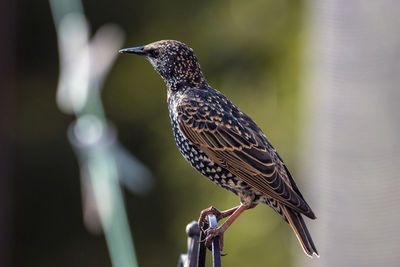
[237, 144]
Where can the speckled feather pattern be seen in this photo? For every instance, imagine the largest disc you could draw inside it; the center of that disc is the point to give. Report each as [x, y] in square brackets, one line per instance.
[207, 167]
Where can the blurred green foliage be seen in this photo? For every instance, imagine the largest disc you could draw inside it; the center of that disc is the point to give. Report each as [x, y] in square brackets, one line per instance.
[249, 50]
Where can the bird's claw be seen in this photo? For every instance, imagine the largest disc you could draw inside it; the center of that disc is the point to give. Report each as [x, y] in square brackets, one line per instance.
[209, 211]
[212, 233]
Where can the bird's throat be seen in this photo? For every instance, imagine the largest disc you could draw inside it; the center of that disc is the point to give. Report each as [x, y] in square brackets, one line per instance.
[184, 83]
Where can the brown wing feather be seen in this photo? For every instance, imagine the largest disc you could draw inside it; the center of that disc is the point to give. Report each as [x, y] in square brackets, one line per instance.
[237, 144]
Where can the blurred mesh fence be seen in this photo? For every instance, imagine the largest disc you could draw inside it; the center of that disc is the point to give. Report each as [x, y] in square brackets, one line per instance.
[352, 150]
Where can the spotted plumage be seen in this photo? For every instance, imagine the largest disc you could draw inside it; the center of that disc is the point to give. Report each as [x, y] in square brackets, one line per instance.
[223, 143]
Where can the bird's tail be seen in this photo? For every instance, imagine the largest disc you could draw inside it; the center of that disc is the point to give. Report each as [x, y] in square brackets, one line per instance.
[299, 227]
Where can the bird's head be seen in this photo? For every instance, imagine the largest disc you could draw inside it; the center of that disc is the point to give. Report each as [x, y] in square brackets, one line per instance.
[174, 61]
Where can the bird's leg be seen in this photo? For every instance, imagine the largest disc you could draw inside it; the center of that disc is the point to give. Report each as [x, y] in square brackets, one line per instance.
[213, 211]
[213, 232]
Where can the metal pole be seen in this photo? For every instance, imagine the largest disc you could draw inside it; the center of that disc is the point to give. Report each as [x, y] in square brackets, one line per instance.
[190, 258]
[216, 250]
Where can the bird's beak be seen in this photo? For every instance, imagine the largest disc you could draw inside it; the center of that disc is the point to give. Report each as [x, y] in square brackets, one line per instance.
[135, 50]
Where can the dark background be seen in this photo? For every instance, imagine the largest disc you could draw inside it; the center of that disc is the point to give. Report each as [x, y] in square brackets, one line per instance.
[248, 50]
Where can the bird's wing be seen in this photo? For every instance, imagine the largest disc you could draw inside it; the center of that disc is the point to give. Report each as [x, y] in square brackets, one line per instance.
[233, 140]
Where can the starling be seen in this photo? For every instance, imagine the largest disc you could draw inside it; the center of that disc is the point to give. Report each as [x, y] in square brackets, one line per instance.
[224, 144]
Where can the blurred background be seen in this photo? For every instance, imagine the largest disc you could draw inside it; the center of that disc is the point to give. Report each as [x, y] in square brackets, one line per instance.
[258, 53]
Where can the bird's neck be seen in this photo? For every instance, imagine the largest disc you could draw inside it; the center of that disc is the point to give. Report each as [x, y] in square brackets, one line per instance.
[182, 83]
[178, 87]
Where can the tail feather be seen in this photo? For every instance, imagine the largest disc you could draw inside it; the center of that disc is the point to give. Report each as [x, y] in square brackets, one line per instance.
[299, 227]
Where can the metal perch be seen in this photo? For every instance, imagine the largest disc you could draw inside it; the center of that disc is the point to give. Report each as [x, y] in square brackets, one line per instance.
[196, 252]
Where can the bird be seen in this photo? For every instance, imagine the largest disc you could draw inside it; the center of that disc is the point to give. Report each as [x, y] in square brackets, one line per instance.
[224, 144]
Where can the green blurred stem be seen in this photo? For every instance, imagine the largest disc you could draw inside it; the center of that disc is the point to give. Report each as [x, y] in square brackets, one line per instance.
[102, 167]
[103, 175]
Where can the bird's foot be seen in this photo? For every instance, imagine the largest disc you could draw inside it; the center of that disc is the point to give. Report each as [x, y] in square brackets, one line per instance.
[209, 211]
[211, 233]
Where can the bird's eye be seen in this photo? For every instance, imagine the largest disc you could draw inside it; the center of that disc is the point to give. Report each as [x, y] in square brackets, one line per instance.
[154, 53]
